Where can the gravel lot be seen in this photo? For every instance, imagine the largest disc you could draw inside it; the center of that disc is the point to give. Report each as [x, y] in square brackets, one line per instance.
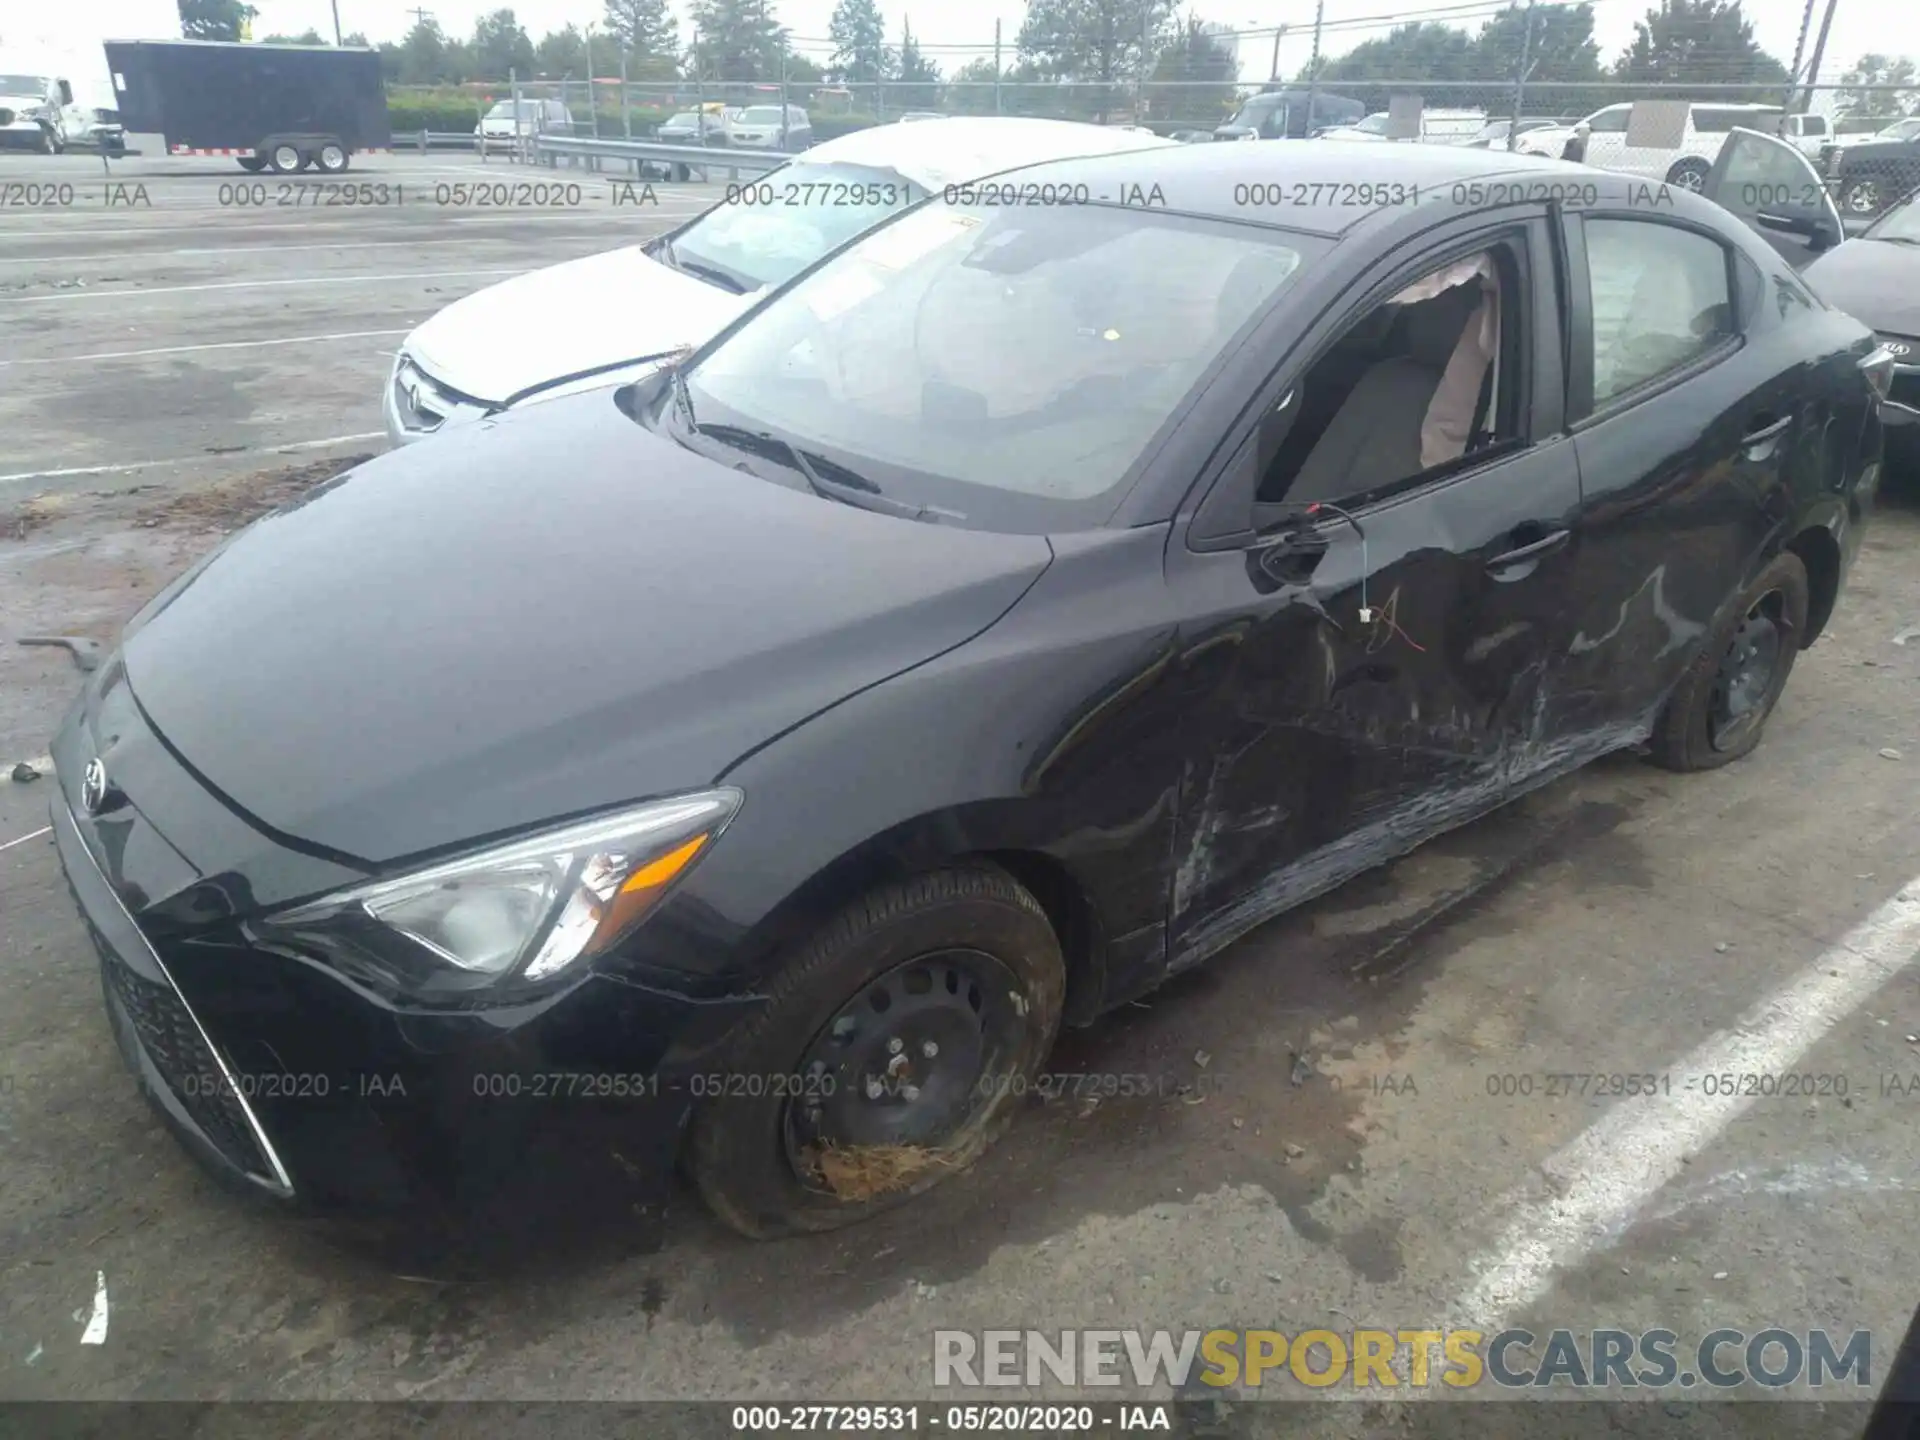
[170, 365]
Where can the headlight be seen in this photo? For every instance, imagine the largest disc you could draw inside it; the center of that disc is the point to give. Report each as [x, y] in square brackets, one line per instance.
[525, 910]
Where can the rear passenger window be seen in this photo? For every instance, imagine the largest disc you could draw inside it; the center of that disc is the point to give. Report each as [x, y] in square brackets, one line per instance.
[1659, 298]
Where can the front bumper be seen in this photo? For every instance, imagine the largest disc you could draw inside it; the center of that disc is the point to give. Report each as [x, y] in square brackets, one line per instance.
[288, 1081]
[416, 406]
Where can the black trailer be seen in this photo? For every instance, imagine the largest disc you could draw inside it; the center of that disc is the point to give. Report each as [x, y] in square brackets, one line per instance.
[281, 106]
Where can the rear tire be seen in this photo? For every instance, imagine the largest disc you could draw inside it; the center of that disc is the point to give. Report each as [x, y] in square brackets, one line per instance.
[252, 164]
[1690, 174]
[964, 954]
[286, 159]
[1720, 707]
[331, 158]
[1862, 198]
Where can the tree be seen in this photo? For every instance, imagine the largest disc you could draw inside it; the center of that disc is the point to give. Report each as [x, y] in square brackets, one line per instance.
[646, 30]
[802, 71]
[1422, 50]
[859, 35]
[311, 37]
[214, 19]
[1856, 101]
[561, 52]
[1102, 41]
[1563, 48]
[355, 40]
[919, 77]
[737, 40]
[1700, 42]
[423, 58]
[1194, 78]
[971, 90]
[501, 46]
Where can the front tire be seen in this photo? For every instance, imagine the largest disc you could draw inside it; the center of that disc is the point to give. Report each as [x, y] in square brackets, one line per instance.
[899, 1040]
[1718, 710]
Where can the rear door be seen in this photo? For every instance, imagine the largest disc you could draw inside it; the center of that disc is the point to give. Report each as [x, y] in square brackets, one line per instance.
[1775, 189]
[1689, 407]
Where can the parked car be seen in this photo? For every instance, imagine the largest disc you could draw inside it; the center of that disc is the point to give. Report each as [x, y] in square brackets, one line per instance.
[755, 766]
[1905, 129]
[691, 127]
[1876, 279]
[1809, 134]
[1444, 127]
[759, 127]
[508, 123]
[1493, 134]
[608, 317]
[1686, 164]
[1190, 137]
[1875, 174]
[1289, 114]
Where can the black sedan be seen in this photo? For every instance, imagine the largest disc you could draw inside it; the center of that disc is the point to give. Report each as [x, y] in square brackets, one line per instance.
[1876, 278]
[755, 766]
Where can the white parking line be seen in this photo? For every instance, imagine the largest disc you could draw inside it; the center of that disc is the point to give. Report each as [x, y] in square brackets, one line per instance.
[298, 445]
[253, 285]
[43, 830]
[1598, 1184]
[194, 349]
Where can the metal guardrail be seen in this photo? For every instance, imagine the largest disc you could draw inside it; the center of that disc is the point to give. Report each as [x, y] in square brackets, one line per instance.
[592, 154]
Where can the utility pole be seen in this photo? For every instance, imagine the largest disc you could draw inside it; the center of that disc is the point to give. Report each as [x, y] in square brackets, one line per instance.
[420, 17]
[1273, 71]
[996, 67]
[1799, 53]
[1146, 63]
[1819, 49]
[1520, 78]
[336, 22]
[1313, 65]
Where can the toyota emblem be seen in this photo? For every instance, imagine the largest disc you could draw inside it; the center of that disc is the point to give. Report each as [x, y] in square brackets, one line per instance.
[93, 786]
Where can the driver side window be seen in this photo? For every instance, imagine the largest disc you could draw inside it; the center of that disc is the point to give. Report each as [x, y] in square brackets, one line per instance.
[1414, 386]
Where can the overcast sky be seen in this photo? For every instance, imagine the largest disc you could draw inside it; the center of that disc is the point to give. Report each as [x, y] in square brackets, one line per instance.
[956, 30]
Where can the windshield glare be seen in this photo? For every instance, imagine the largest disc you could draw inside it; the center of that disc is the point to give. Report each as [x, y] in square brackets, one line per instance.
[1255, 111]
[1008, 363]
[778, 225]
[760, 115]
[23, 84]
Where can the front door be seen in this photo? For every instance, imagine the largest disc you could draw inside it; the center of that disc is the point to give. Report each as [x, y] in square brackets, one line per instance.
[1366, 664]
[1775, 189]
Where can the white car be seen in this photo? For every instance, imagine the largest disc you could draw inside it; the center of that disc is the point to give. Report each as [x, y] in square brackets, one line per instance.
[1687, 164]
[758, 127]
[610, 318]
[1439, 127]
[500, 126]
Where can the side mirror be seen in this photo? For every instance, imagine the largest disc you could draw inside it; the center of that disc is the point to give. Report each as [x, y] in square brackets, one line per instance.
[66, 93]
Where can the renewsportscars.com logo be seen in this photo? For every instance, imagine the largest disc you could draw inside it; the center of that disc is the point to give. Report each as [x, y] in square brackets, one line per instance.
[1403, 1359]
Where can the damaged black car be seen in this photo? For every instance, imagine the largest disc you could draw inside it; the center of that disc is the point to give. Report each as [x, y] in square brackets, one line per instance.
[751, 769]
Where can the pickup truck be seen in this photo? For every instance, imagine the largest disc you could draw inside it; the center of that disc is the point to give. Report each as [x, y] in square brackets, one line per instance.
[39, 112]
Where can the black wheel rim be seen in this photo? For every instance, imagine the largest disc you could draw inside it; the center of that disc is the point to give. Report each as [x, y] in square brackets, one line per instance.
[908, 1059]
[1746, 682]
[1690, 180]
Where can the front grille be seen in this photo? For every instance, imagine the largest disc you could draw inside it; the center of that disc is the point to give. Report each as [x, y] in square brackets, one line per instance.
[189, 1068]
[418, 399]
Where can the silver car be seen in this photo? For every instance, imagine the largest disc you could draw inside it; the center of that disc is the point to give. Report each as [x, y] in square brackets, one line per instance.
[758, 127]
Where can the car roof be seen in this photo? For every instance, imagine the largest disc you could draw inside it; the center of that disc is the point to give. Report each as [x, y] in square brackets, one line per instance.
[1322, 187]
[954, 149]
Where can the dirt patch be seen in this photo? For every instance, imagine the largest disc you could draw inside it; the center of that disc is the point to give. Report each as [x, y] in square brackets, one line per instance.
[866, 1172]
[230, 504]
[31, 515]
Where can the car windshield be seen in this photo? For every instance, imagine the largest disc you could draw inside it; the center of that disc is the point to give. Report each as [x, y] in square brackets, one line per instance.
[773, 228]
[1373, 124]
[23, 84]
[1901, 223]
[504, 110]
[1901, 130]
[760, 115]
[685, 119]
[1006, 364]
[1256, 111]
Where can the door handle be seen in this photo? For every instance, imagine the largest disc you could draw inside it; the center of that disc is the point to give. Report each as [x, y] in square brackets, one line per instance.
[1526, 554]
[1767, 431]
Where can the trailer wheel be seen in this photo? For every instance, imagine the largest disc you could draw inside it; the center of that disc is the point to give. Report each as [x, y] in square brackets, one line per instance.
[331, 158]
[285, 158]
[252, 164]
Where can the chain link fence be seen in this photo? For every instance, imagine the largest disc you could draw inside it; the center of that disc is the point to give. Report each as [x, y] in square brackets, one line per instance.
[1864, 140]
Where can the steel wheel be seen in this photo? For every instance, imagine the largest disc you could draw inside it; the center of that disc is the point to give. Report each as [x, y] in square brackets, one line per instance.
[910, 1057]
[285, 159]
[1744, 680]
[1862, 197]
[331, 158]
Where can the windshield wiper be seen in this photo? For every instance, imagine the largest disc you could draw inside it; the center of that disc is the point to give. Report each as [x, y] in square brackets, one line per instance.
[849, 487]
[681, 398]
[711, 273]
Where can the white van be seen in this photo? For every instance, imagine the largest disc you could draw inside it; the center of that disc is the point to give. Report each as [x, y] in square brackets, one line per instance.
[39, 112]
[1437, 127]
[1687, 164]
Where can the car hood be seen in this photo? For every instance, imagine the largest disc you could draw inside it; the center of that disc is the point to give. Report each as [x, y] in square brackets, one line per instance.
[566, 320]
[544, 614]
[1875, 281]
